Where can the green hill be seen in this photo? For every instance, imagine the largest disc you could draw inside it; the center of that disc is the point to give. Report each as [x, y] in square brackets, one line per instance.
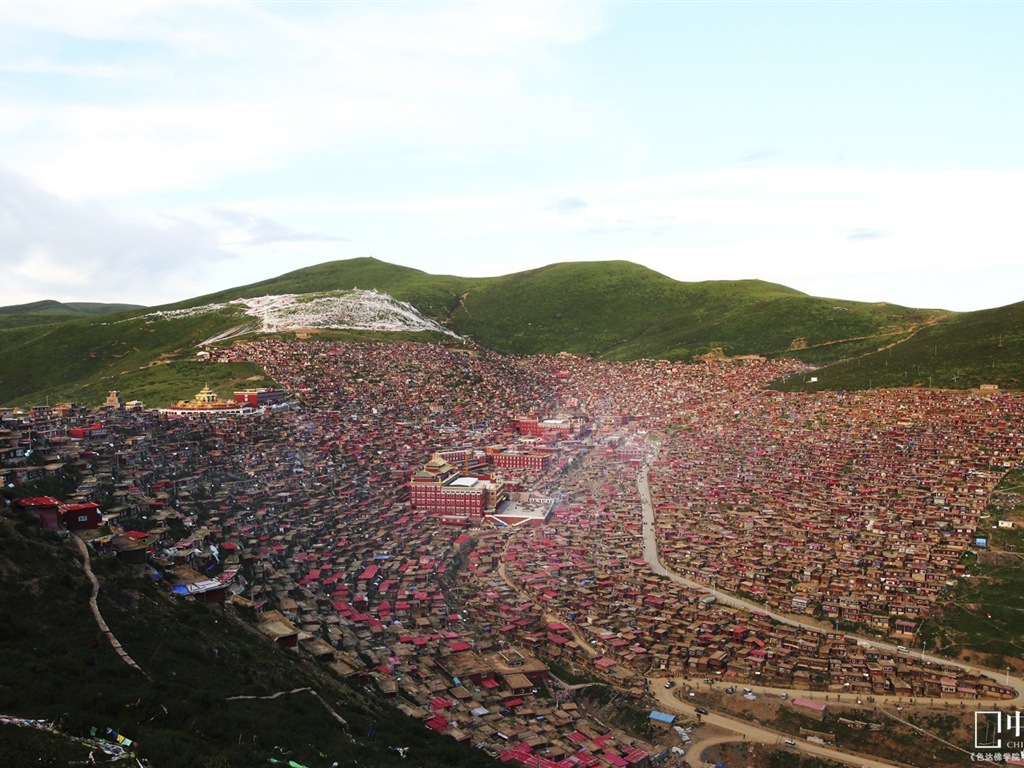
[90, 355]
[434, 295]
[22, 323]
[608, 310]
[619, 310]
[50, 307]
[956, 351]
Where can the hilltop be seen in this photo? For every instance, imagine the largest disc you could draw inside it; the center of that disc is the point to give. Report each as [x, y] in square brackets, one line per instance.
[613, 310]
[57, 308]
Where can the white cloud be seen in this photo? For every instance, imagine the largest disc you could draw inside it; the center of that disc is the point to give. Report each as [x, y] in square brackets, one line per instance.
[207, 92]
[247, 228]
[455, 137]
[38, 263]
[93, 21]
[802, 228]
[70, 250]
[157, 147]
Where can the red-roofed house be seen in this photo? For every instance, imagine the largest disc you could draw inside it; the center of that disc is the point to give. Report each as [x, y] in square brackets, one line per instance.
[81, 517]
[42, 508]
[816, 708]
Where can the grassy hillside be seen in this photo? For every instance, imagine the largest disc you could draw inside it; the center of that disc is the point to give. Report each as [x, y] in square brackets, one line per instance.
[956, 351]
[609, 310]
[89, 355]
[50, 307]
[434, 295]
[619, 310]
[194, 658]
[32, 319]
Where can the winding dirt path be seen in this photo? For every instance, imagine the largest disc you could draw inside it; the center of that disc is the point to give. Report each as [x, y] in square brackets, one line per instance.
[83, 549]
[748, 731]
[279, 694]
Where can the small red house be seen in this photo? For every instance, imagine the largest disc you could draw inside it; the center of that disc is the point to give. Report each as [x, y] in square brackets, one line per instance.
[81, 517]
[45, 509]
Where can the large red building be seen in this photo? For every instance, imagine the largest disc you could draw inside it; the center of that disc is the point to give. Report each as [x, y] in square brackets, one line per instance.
[557, 428]
[441, 490]
[94, 431]
[258, 398]
[52, 514]
[510, 458]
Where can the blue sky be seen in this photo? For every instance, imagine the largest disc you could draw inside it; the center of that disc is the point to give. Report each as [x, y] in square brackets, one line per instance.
[152, 152]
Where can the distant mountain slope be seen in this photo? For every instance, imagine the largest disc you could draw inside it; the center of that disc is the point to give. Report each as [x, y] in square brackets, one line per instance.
[619, 310]
[956, 351]
[149, 352]
[609, 310]
[434, 295]
[22, 323]
[31, 319]
[72, 308]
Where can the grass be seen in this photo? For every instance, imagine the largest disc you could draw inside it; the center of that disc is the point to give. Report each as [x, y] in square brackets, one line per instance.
[619, 310]
[781, 758]
[611, 310]
[956, 351]
[753, 755]
[44, 309]
[895, 741]
[59, 363]
[164, 385]
[46, 749]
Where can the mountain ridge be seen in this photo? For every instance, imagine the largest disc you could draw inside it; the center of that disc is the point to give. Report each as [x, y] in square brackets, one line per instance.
[71, 308]
[614, 310]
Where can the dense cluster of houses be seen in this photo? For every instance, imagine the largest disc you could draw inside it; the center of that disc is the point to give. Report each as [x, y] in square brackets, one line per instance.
[861, 505]
[880, 492]
[589, 567]
[857, 507]
[303, 516]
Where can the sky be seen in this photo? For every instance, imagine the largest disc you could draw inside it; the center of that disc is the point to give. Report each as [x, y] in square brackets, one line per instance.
[153, 152]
